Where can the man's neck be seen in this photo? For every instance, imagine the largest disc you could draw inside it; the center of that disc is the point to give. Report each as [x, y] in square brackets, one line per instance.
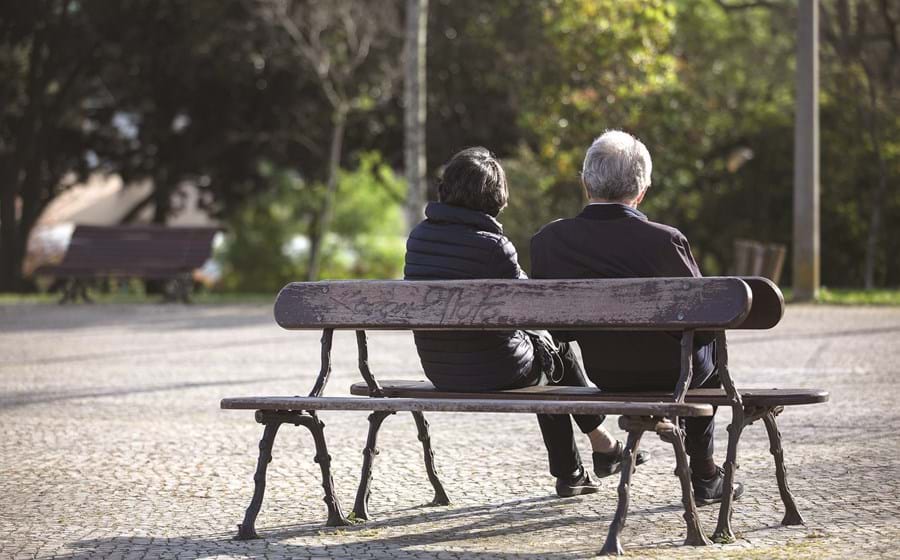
[629, 203]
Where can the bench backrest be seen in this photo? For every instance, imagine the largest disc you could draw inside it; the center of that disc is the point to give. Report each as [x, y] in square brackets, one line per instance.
[620, 304]
[138, 249]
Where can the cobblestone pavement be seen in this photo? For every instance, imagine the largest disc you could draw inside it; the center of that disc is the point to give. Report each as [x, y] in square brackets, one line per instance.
[112, 445]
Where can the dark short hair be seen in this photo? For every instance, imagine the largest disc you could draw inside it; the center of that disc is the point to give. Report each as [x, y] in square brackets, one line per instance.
[473, 179]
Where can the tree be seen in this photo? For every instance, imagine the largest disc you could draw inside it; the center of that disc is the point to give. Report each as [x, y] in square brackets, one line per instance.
[864, 38]
[207, 120]
[50, 53]
[344, 43]
[92, 87]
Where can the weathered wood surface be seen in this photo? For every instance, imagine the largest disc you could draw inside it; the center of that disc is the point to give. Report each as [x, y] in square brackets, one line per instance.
[768, 304]
[627, 304]
[751, 397]
[468, 405]
[138, 251]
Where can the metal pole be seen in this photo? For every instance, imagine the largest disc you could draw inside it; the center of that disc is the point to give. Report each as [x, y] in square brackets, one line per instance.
[806, 155]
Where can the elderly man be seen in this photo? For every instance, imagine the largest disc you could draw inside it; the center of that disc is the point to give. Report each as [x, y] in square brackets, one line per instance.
[611, 238]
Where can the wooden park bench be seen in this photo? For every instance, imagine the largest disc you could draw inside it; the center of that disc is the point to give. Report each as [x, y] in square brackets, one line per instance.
[669, 304]
[147, 252]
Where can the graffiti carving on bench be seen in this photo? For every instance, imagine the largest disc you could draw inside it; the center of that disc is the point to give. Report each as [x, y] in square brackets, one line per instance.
[441, 303]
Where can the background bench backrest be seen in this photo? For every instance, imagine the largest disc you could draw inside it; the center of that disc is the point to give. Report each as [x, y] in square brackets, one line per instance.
[139, 248]
[626, 304]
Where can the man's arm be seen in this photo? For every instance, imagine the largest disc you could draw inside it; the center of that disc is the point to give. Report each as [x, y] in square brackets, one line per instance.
[678, 260]
[539, 269]
[681, 263]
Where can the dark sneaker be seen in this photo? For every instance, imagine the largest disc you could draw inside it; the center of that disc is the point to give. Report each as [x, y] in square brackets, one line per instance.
[606, 464]
[709, 490]
[576, 485]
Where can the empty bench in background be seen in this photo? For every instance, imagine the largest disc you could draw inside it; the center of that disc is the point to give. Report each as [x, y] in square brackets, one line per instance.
[146, 252]
[681, 304]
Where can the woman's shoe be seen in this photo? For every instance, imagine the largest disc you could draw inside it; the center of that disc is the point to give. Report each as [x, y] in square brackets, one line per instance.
[710, 490]
[576, 485]
[606, 464]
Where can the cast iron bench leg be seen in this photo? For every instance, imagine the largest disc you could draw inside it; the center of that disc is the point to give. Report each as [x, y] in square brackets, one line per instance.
[613, 546]
[317, 427]
[273, 420]
[247, 529]
[68, 292]
[184, 290]
[440, 496]
[82, 290]
[724, 532]
[675, 436]
[361, 506]
[791, 515]
[72, 290]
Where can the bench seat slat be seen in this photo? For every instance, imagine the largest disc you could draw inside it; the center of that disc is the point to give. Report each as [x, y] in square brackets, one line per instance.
[557, 406]
[417, 389]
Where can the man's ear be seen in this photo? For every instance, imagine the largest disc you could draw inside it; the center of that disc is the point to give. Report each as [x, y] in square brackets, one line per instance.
[587, 195]
[640, 197]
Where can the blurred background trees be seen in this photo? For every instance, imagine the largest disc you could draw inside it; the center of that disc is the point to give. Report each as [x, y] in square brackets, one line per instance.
[288, 117]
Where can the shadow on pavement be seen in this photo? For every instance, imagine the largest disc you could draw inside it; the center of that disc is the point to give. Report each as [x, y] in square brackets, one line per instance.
[152, 352]
[137, 317]
[786, 337]
[518, 519]
[15, 400]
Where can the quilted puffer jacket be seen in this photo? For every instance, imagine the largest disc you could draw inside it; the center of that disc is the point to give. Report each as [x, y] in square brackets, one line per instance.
[455, 243]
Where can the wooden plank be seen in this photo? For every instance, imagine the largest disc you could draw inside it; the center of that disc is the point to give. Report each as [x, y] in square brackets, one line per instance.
[752, 397]
[625, 304]
[468, 405]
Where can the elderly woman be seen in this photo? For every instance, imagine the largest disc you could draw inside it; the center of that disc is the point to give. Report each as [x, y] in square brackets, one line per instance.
[462, 239]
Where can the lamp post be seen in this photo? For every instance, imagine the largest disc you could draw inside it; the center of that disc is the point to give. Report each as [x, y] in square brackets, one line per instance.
[806, 155]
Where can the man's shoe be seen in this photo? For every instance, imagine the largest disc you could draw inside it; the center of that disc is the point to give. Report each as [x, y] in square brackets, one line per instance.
[576, 485]
[606, 464]
[710, 490]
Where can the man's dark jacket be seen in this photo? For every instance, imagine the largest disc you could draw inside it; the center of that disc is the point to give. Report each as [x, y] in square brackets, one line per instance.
[456, 243]
[617, 241]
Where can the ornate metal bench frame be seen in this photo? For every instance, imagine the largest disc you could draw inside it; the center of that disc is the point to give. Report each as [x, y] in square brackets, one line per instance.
[667, 428]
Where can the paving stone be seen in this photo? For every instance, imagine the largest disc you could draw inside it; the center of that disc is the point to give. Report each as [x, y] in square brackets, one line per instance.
[112, 445]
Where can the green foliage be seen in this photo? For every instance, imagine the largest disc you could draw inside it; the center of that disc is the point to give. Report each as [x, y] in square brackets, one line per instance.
[267, 244]
[534, 200]
[256, 253]
[710, 91]
[368, 238]
[860, 297]
[218, 95]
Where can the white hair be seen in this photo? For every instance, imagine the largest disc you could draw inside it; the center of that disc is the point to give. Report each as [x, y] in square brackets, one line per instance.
[616, 167]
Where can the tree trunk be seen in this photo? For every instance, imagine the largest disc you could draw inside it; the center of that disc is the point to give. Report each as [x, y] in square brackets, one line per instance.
[324, 219]
[874, 230]
[414, 97]
[10, 268]
[162, 197]
[136, 210]
[875, 217]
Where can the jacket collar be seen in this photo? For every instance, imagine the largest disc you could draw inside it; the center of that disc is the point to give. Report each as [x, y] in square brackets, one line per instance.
[612, 211]
[440, 212]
